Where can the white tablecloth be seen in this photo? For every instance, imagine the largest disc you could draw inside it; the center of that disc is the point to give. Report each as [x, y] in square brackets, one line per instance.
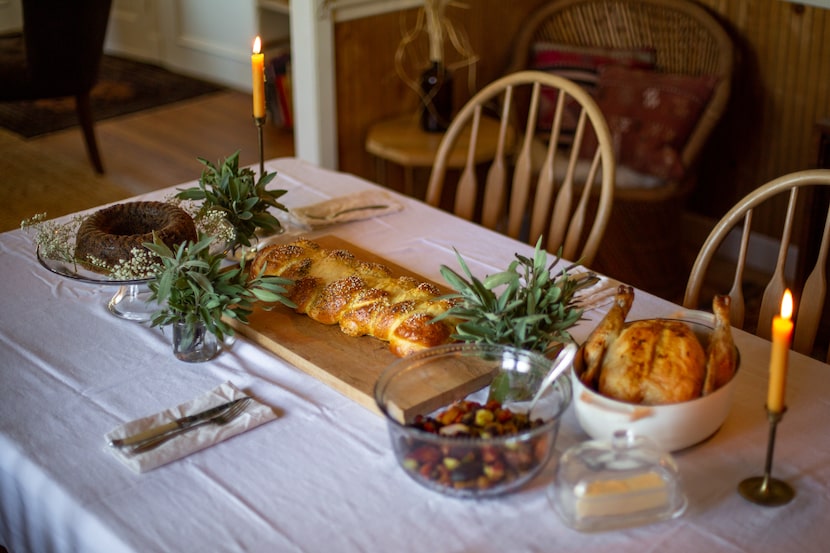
[323, 476]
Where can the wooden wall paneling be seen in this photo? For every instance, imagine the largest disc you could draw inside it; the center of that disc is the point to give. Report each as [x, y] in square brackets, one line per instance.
[820, 93]
[369, 89]
[367, 86]
[781, 88]
[814, 52]
[737, 138]
[770, 62]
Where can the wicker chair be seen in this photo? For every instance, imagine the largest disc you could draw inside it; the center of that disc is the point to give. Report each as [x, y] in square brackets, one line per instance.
[642, 244]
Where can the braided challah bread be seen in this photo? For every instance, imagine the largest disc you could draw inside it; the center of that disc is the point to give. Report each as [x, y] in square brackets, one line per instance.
[364, 298]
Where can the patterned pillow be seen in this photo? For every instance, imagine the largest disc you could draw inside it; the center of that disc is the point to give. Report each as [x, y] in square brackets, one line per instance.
[651, 116]
[581, 65]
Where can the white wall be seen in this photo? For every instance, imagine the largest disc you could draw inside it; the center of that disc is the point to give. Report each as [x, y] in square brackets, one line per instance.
[11, 16]
[210, 39]
[203, 38]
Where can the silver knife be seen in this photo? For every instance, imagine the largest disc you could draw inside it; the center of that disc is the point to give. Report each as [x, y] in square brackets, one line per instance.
[180, 423]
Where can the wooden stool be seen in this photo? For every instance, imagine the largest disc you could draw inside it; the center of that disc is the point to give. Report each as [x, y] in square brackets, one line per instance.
[402, 141]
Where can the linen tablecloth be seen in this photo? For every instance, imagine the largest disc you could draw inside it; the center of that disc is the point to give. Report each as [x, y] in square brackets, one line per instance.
[323, 476]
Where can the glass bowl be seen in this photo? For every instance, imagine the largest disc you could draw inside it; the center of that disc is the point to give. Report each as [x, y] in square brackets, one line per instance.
[429, 382]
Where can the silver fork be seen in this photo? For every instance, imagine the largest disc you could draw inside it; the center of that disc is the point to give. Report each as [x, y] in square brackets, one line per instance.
[224, 418]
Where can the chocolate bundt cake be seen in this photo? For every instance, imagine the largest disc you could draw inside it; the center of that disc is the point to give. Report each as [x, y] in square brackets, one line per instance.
[111, 233]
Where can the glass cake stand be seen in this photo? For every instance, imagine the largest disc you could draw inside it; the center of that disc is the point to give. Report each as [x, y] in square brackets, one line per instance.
[131, 301]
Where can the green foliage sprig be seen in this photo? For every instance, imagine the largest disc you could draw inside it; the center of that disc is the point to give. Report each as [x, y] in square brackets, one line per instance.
[193, 286]
[526, 306]
[244, 200]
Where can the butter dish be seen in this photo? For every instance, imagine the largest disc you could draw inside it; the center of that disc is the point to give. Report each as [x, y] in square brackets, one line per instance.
[627, 481]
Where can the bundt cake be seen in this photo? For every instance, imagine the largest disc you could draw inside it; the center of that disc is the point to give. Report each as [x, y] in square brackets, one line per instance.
[111, 234]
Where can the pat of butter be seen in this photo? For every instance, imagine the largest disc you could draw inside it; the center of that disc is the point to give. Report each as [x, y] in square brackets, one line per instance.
[621, 496]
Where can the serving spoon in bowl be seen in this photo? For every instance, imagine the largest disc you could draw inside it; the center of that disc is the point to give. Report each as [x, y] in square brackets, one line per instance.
[562, 362]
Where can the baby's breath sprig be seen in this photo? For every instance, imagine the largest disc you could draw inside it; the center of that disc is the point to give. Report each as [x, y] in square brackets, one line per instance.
[212, 222]
[141, 264]
[54, 239]
[209, 221]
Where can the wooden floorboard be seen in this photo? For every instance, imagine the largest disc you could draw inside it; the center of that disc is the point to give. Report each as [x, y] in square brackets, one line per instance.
[160, 147]
[141, 152]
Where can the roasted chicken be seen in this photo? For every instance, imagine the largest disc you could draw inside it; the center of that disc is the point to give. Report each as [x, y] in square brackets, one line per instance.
[656, 361]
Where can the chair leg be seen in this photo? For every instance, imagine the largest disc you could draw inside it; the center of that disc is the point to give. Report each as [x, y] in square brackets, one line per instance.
[84, 108]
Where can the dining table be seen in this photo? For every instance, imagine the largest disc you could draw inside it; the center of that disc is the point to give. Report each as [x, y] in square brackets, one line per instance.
[321, 474]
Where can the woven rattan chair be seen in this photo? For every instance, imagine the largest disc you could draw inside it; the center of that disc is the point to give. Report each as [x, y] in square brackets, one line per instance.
[557, 206]
[810, 308]
[643, 235]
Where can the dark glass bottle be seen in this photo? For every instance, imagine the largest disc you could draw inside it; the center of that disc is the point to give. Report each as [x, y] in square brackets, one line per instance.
[436, 87]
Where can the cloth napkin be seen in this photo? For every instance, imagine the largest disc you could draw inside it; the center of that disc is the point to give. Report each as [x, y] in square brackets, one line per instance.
[598, 295]
[348, 208]
[195, 440]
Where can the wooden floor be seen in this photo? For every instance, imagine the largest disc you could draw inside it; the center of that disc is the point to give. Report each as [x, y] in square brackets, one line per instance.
[142, 152]
[160, 147]
[145, 151]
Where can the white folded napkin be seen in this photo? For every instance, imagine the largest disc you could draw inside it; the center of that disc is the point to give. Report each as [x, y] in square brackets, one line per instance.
[598, 295]
[352, 207]
[194, 440]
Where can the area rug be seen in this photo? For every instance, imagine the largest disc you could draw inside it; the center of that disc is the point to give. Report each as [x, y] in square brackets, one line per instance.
[124, 86]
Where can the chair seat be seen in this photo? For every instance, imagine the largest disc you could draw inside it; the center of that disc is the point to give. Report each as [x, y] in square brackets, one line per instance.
[401, 140]
[626, 179]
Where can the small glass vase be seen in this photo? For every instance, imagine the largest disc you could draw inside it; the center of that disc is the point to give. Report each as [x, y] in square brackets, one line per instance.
[193, 342]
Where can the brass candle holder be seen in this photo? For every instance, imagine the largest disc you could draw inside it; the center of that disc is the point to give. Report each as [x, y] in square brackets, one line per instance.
[766, 490]
[260, 122]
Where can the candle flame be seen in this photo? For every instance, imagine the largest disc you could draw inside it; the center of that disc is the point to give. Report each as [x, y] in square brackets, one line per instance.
[787, 305]
[257, 45]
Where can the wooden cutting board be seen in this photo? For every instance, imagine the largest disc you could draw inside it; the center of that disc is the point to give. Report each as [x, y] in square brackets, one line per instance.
[350, 365]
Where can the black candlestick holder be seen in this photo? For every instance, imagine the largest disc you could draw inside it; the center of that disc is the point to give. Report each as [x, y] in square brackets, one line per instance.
[260, 122]
[766, 490]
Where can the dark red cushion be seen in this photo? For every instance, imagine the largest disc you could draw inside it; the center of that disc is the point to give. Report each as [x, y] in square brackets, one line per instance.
[651, 116]
[581, 65]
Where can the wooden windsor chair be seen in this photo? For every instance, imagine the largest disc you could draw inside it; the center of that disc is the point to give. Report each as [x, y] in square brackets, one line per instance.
[556, 206]
[812, 297]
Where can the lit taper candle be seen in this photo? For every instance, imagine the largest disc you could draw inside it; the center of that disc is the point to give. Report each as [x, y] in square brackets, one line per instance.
[258, 76]
[782, 331]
